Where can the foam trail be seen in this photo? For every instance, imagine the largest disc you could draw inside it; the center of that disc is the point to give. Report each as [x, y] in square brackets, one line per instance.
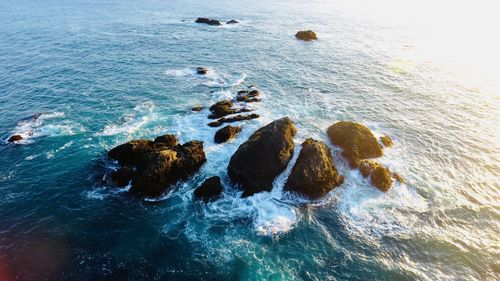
[141, 115]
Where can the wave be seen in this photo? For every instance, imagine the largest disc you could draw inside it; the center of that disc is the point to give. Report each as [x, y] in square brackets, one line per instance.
[131, 122]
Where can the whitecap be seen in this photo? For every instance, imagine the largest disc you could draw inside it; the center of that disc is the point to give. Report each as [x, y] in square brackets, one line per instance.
[131, 122]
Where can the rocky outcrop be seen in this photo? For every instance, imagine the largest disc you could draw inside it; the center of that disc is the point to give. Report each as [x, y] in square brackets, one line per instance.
[233, 119]
[314, 174]
[14, 138]
[158, 164]
[386, 141]
[208, 21]
[211, 188]
[263, 156]
[201, 70]
[380, 176]
[226, 133]
[307, 35]
[122, 176]
[197, 108]
[357, 141]
[247, 96]
[232, 22]
[224, 108]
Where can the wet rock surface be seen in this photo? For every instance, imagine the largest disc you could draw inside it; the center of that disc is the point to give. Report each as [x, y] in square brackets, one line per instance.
[227, 133]
[263, 156]
[307, 35]
[314, 174]
[211, 188]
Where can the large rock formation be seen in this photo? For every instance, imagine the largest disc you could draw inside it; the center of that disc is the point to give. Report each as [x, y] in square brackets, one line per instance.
[158, 164]
[307, 35]
[314, 174]
[356, 141]
[226, 133]
[209, 189]
[263, 156]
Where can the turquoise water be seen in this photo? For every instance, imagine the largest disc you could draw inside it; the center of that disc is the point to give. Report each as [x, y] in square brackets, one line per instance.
[99, 73]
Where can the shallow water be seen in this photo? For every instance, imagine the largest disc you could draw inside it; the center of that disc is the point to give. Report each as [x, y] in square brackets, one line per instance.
[79, 77]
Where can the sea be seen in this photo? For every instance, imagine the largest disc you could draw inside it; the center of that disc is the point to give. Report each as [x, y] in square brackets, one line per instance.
[78, 77]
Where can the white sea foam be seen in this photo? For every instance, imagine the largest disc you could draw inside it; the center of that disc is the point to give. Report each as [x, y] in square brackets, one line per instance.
[180, 72]
[131, 122]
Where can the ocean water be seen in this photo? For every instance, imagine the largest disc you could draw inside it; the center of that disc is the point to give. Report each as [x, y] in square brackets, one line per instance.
[80, 77]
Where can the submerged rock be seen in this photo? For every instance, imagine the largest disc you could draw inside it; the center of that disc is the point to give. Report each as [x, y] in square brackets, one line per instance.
[356, 141]
[158, 164]
[226, 133]
[314, 174]
[14, 138]
[307, 35]
[197, 108]
[233, 119]
[209, 189]
[386, 141]
[201, 70]
[122, 176]
[232, 22]
[208, 21]
[263, 156]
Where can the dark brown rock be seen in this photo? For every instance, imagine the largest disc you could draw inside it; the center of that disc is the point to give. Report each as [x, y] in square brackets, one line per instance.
[14, 138]
[158, 164]
[122, 176]
[357, 141]
[208, 21]
[224, 108]
[209, 189]
[226, 133]
[233, 119]
[307, 35]
[314, 174]
[202, 70]
[248, 96]
[380, 176]
[263, 156]
[232, 22]
[386, 141]
[197, 108]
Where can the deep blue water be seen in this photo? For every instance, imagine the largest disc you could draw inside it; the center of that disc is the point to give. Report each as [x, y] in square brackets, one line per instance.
[99, 73]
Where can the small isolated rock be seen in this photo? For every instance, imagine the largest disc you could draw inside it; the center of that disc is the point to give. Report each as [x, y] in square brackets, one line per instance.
[223, 108]
[232, 22]
[357, 141]
[386, 141]
[197, 108]
[263, 156]
[202, 70]
[232, 119]
[226, 133]
[248, 96]
[307, 35]
[209, 189]
[314, 174]
[208, 21]
[14, 138]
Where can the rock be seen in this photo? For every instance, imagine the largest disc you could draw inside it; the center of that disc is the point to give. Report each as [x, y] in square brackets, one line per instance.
[208, 21]
[209, 189]
[356, 141]
[197, 108]
[380, 175]
[308, 35]
[314, 174]
[398, 177]
[263, 156]
[122, 176]
[233, 119]
[226, 133]
[165, 167]
[386, 141]
[223, 108]
[232, 22]
[202, 70]
[14, 138]
[248, 96]
[158, 164]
